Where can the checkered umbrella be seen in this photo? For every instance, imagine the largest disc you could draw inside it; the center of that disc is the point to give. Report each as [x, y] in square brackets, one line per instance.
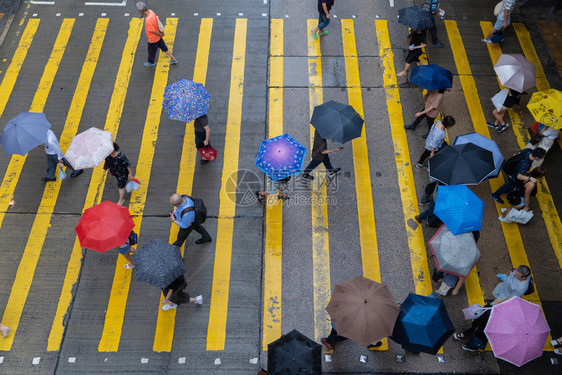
[415, 18]
[158, 263]
[186, 100]
[280, 157]
[337, 122]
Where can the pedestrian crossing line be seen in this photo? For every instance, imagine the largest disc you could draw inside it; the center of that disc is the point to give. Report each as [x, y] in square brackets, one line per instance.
[115, 314]
[362, 171]
[546, 203]
[165, 324]
[318, 192]
[416, 243]
[97, 181]
[510, 231]
[216, 331]
[273, 247]
[41, 223]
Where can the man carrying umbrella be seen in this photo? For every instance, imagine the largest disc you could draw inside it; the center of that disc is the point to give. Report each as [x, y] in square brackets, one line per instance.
[320, 155]
[433, 7]
[54, 157]
[185, 217]
[154, 32]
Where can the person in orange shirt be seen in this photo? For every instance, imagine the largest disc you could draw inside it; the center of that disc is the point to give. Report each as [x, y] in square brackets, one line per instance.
[154, 32]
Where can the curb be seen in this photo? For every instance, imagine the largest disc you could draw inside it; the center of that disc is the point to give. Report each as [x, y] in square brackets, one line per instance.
[8, 9]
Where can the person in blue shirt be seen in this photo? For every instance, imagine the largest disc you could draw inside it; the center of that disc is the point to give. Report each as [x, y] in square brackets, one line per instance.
[433, 7]
[186, 221]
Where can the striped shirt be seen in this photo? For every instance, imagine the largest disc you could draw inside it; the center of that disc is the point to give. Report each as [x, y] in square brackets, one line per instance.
[509, 5]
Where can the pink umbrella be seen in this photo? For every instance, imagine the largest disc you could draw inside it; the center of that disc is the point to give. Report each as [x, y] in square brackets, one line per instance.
[89, 148]
[517, 331]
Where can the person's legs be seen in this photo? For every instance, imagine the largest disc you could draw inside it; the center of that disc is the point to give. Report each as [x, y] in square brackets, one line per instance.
[165, 49]
[334, 338]
[129, 259]
[508, 186]
[121, 196]
[499, 116]
[310, 167]
[433, 32]
[152, 48]
[424, 156]
[75, 172]
[416, 122]
[327, 163]
[52, 161]
[182, 236]
[205, 236]
[430, 121]
[405, 70]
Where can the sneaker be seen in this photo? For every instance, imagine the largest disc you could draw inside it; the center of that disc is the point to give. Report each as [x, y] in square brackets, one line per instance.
[558, 351]
[424, 202]
[410, 127]
[373, 346]
[457, 336]
[173, 62]
[496, 198]
[419, 166]
[147, 64]
[167, 306]
[334, 172]
[76, 173]
[438, 44]
[314, 35]
[203, 240]
[486, 40]
[501, 128]
[327, 344]
[204, 161]
[323, 32]
[555, 343]
[198, 300]
[47, 179]
[468, 348]
[307, 177]
[501, 218]
[491, 124]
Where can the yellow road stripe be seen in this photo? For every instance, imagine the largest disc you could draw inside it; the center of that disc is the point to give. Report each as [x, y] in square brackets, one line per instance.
[273, 248]
[319, 210]
[418, 254]
[115, 314]
[164, 335]
[510, 231]
[41, 224]
[362, 171]
[97, 181]
[216, 331]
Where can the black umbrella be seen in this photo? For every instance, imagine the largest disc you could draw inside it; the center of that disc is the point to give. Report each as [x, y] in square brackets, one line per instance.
[158, 263]
[337, 122]
[294, 353]
[415, 18]
[463, 164]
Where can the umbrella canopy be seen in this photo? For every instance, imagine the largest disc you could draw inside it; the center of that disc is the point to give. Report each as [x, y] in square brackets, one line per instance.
[486, 143]
[423, 324]
[186, 100]
[294, 353]
[415, 18]
[516, 72]
[517, 331]
[431, 77]
[24, 132]
[89, 148]
[337, 122]
[158, 263]
[464, 164]
[104, 226]
[459, 208]
[546, 107]
[280, 157]
[363, 310]
[455, 254]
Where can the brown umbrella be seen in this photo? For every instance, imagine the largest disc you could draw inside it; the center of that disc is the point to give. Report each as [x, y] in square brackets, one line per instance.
[363, 310]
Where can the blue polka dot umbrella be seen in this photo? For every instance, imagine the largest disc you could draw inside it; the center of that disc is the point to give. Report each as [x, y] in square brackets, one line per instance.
[280, 157]
[186, 100]
[337, 121]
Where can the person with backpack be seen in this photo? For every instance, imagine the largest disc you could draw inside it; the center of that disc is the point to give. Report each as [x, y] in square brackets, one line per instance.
[516, 284]
[189, 214]
[432, 6]
[520, 197]
[513, 97]
[126, 249]
[516, 168]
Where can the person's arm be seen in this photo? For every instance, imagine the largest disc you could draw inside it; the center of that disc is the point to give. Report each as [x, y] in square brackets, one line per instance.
[325, 152]
[505, 15]
[160, 27]
[130, 173]
[529, 186]
[167, 298]
[207, 135]
[525, 178]
[325, 7]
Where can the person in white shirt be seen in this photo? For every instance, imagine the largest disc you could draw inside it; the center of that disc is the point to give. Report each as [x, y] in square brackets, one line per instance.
[54, 157]
[503, 20]
[435, 139]
[549, 135]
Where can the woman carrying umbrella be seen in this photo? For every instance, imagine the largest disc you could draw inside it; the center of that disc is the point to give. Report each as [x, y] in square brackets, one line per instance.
[416, 41]
[120, 168]
[435, 139]
[174, 295]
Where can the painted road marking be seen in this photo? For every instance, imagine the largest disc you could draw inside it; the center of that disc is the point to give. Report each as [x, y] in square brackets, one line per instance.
[106, 4]
[41, 223]
[319, 211]
[510, 231]
[216, 331]
[164, 335]
[273, 247]
[97, 181]
[115, 314]
[362, 171]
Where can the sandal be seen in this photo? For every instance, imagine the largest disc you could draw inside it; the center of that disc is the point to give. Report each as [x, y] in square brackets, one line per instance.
[259, 196]
[283, 197]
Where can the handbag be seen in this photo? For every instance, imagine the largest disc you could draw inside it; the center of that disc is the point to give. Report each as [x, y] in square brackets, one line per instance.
[208, 153]
[535, 138]
[474, 311]
[498, 8]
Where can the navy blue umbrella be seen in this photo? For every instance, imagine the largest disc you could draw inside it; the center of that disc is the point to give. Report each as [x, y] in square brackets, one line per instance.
[158, 263]
[337, 122]
[415, 18]
[294, 353]
[431, 77]
[462, 164]
[423, 324]
[486, 143]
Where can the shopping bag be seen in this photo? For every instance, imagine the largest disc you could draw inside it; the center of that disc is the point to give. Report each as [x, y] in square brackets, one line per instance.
[518, 216]
[62, 174]
[208, 153]
[134, 184]
[474, 311]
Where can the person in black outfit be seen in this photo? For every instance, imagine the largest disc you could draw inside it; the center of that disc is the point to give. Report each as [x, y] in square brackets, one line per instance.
[120, 168]
[320, 155]
[513, 97]
[202, 133]
[174, 295]
[416, 41]
[478, 339]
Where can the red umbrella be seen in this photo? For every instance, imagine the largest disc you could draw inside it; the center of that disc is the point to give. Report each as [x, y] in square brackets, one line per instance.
[104, 226]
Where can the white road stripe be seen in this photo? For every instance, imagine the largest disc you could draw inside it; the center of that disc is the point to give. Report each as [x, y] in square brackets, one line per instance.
[391, 3]
[43, 2]
[121, 4]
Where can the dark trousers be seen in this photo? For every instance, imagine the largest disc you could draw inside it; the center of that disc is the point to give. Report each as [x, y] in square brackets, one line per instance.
[334, 338]
[430, 121]
[433, 31]
[184, 232]
[424, 156]
[52, 162]
[510, 184]
[314, 163]
[153, 48]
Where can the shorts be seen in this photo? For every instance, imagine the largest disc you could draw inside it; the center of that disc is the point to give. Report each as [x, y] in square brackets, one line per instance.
[124, 249]
[122, 181]
[499, 22]
[274, 186]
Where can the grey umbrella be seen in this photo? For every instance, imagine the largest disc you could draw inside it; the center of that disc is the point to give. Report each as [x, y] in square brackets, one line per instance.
[158, 263]
[516, 72]
[454, 254]
[24, 132]
[337, 122]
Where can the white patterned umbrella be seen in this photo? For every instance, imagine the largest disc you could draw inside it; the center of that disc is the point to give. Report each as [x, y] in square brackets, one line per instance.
[89, 148]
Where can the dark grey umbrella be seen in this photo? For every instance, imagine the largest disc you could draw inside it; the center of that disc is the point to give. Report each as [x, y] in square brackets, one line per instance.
[415, 18]
[464, 164]
[158, 263]
[337, 122]
[294, 353]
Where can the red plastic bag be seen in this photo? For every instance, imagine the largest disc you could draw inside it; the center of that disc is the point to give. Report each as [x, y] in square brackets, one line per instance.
[208, 153]
[535, 127]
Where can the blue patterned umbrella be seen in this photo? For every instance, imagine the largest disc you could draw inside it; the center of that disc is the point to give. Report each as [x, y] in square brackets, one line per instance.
[158, 263]
[337, 121]
[431, 77]
[415, 18]
[280, 157]
[486, 143]
[24, 132]
[186, 100]
[459, 209]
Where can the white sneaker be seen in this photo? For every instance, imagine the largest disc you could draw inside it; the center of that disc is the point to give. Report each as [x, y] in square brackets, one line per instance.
[167, 306]
[198, 300]
[558, 351]
[503, 210]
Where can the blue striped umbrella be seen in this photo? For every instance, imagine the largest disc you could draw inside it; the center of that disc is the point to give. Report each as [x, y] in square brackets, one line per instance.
[186, 100]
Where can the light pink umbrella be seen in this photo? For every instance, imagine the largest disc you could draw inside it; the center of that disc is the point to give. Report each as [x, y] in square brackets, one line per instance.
[89, 148]
[517, 331]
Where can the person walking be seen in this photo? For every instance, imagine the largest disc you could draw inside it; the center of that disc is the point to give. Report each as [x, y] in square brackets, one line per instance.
[119, 167]
[547, 137]
[184, 216]
[435, 139]
[514, 284]
[202, 133]
[516, 168]
[433, 100]
[54, 157]
[503, 20]
[274, 187]
[174, 295]
[513, 97]
[477, 337]
[331, 341]
[126, 250]
[320, 155]
[4, 330]
[416, 41]
[433, 7]
[154, 32]
[324, 7]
